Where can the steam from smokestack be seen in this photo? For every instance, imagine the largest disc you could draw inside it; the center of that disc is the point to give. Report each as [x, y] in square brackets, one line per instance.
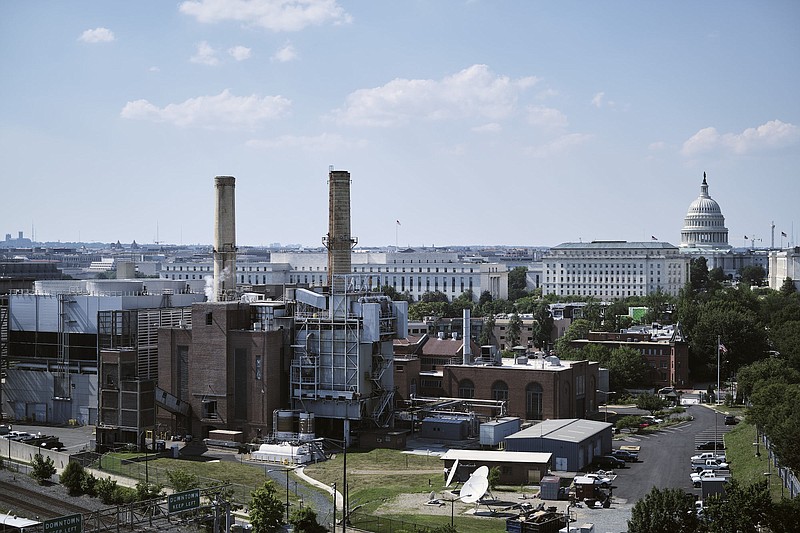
[224, 238]
[338, 241]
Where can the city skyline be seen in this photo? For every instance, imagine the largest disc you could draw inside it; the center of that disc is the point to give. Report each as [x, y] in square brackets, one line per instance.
[461, 123]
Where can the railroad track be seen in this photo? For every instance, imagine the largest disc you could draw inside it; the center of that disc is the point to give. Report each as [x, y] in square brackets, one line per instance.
[33, 504]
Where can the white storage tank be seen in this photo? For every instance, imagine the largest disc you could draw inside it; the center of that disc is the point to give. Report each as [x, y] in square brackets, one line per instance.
[112, 287]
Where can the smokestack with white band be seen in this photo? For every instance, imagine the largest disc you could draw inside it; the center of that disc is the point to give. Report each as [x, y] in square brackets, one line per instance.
[224, 238]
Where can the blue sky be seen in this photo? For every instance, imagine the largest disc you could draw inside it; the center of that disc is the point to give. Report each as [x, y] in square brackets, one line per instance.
[470, 122]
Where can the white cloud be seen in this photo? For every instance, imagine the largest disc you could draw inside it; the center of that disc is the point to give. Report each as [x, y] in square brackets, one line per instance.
[324, 142]
[275, 15]
[154, 69]
[657, 146]
[286, 53]
[475, 92]
[597, 101]
[214, 112]
[559, 145]
[770, 135]
[239, 53]
[491, 127]
[205, 55]
[547, 118]
[97, 35]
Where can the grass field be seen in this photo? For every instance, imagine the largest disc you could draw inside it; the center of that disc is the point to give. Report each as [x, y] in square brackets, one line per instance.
[746, 467]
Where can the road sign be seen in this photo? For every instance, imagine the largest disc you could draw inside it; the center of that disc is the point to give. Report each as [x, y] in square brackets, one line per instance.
[65, 524]
[183, 501]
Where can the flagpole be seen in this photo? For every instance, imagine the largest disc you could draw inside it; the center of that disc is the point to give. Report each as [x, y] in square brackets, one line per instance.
[718, 390]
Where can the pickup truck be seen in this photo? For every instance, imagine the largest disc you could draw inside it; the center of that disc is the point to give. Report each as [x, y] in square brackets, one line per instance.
[697, 477]
[708, 455]
[709, 464]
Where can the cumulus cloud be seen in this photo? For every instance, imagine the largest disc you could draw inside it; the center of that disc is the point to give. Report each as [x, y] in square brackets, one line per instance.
[286, 53]
[97, 35]
[547, 118]
[597, 100]
[205, 55]
[559, 145]
[475, 92]
[220, 111]
[491, 127]
[325, 142]
[239, 53]
[770, 135]
[275, 15]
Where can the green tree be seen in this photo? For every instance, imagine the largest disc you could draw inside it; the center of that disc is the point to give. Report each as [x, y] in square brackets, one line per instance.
[628, 422]
[698, 274]
[664, 511]
[543, 328]
[741, 508]
[72, 478]
[494, 477]
[304, 520]
[485, 298]
[628, 369]
[764, 372]
[181, 480]
[752, 274]
[716, 276]
[487, 332]
[148, 491]
[266, 509]
[579, 329]
[788, 287]
[42, 468]
[517, 283]
[650, 402]
[774, 410]
[658, 303]
[513, 331]
[436, 296]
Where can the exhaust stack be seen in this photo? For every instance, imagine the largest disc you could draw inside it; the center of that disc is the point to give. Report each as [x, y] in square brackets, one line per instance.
[224, 238]
[467, 327]
[338, 241]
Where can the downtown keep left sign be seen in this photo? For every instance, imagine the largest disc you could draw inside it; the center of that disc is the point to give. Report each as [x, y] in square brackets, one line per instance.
[65, 524]
[183, 501]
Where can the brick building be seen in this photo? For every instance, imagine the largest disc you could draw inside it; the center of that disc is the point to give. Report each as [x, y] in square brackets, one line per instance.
[230, 367]
[664, 347]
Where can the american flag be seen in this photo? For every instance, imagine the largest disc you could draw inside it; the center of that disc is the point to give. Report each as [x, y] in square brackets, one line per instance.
[722, 348]
[783, 234]
[653, 237]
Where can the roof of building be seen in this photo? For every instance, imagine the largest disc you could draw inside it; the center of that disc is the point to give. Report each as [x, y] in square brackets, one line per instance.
[564, 429]
[497, 456]
[615, 245]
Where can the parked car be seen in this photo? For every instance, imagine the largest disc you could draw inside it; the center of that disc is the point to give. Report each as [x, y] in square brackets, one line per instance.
[666, 390]
[609, 461]
[652, 419]
[708, 455]
[629, 457]
[711, 445]
[709, 464]
[730, 420]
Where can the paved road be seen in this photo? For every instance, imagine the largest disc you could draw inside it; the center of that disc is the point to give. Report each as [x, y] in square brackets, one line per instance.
[665, 455]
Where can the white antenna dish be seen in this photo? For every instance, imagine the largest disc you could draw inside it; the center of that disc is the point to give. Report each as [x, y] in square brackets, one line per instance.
[481, 472]
[451, 476]
[474, 489]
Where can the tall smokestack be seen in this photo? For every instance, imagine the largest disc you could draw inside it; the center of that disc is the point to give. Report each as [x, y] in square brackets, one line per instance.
[338, 241]
[224, 238]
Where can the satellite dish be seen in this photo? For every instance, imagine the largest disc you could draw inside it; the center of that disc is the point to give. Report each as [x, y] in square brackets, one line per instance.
[481, 472]
[452, 474]
[474, 489]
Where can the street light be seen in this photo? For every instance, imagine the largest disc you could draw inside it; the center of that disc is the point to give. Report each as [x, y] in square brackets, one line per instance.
[342, 445]
[287, 470]
[607, 394]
